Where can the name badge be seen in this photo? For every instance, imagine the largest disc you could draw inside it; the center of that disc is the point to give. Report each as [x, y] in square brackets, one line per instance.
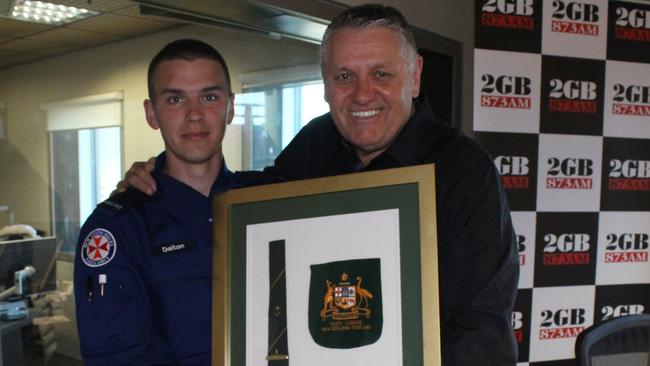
[174, 247]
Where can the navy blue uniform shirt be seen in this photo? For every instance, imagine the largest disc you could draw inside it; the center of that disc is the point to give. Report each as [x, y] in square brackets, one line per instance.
[155, 254]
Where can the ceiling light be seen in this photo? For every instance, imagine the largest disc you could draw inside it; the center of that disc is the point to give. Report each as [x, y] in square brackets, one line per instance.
[48, 13]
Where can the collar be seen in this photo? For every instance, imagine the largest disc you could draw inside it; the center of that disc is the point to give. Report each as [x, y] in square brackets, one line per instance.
[412, 145]
[184, 201]
[414, 142]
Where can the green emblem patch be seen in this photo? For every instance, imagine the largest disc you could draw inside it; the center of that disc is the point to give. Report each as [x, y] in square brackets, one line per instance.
[345, 307]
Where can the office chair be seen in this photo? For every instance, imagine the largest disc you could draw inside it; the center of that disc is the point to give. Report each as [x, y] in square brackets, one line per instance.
[623, 341]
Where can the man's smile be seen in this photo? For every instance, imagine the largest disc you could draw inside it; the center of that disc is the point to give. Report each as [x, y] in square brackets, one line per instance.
[365, 114]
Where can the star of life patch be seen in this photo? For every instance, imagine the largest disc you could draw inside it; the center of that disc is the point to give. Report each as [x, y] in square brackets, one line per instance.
[98, 248]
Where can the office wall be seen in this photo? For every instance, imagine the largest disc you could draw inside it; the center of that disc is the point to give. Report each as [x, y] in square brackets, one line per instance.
[120, 66]
[562, 101]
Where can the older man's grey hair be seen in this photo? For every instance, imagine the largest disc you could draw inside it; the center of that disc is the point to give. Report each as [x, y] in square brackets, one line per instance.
[373, 16]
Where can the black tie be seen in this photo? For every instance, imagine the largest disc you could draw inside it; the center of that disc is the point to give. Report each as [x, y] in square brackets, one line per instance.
[278, 354]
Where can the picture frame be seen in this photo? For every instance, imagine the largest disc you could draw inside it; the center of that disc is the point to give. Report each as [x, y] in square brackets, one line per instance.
[386, 216]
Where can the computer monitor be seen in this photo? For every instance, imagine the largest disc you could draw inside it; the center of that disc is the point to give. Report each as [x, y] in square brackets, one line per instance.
[40, 253]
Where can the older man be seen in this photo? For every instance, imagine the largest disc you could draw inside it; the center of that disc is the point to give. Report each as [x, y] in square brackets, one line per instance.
[371, 72]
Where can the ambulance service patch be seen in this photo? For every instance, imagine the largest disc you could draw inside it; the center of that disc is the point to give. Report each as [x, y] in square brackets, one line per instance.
[98, 248]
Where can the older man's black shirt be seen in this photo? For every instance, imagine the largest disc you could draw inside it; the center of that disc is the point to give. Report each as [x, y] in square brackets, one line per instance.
[477, 252]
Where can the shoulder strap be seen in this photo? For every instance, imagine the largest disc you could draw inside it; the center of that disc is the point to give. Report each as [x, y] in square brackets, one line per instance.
[121, 202]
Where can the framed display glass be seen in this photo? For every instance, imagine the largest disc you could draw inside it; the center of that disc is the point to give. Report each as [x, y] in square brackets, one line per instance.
[336, 270]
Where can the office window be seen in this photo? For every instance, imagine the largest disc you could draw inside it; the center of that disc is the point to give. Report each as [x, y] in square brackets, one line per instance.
[273, 106]
[86, 159]
[85, 167]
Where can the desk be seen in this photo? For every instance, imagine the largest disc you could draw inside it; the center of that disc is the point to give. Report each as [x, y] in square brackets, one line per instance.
[11, 341]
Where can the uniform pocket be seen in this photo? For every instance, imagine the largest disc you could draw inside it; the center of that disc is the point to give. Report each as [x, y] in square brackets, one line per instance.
[116, 319]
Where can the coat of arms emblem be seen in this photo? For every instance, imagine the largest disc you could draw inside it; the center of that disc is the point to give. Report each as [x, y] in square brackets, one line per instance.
[344, 301]
[345, 305]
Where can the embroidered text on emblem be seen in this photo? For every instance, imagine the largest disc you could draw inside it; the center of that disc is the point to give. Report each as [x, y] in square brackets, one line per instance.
[98, 248]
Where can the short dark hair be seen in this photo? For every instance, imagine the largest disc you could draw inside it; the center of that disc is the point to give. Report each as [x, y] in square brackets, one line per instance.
[373, 15]
[185, 49]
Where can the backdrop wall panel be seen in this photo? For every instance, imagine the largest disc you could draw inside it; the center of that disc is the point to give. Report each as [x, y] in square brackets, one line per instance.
[562, 103]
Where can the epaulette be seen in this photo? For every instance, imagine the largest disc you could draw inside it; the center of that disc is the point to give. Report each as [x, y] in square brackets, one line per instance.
[121, 202]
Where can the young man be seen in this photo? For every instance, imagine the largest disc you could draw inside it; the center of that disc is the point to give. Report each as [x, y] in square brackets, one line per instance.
[143, 268]
[371, 72]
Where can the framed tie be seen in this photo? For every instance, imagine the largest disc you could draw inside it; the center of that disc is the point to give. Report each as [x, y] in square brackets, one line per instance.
[278, 353]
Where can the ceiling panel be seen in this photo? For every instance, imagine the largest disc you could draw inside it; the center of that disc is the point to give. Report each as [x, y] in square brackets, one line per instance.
[74, 37]
[22, 42]
[31, 46]
[9, 57]
[16, 28]
[125, 26]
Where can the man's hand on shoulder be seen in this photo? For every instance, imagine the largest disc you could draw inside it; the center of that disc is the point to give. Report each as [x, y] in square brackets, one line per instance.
[139, 177]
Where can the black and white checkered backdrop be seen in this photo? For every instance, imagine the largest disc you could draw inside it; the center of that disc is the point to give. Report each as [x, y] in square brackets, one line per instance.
[562, 103]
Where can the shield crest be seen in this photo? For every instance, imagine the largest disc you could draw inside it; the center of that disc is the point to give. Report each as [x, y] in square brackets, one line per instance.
[345, 297]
